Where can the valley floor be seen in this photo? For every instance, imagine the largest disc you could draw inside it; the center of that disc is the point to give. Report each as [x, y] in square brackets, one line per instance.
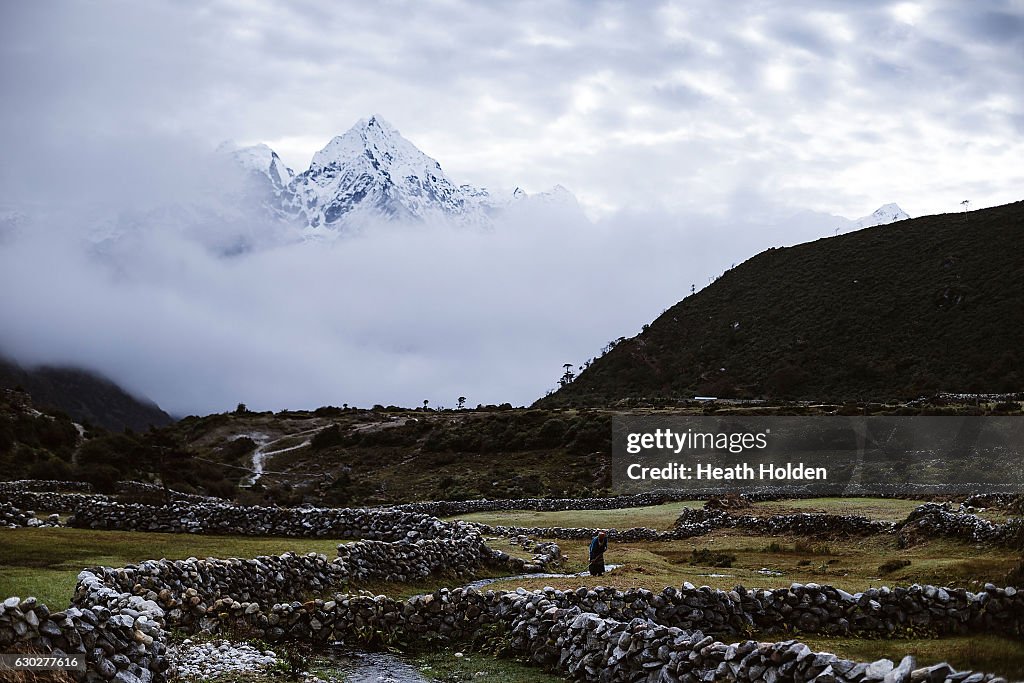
[44, 562]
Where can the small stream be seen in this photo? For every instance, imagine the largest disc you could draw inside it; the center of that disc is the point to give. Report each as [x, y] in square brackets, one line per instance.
[358, 666]
[486, 582]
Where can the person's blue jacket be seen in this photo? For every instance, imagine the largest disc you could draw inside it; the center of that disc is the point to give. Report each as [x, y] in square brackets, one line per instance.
[597, 547]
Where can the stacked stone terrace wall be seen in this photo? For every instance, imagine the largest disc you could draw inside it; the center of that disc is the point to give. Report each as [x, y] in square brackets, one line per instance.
[1013, 502]
[67, 503]
[583, 633]
[930, 520]
[586, 647]
[18, 485]
[933, 520]
[154, 492]
[186, 589]
[810, 608]
[693, 523]
[210, 518]
[447, 508]
[121, 636]
[11, 516]
[604, 635]
[696, 522]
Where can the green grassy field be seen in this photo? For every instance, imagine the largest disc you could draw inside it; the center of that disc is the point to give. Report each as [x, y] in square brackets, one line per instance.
[993, 654]
[885, 509]
[664, 516]
[850, 564]
[653, 517]
[45, 562]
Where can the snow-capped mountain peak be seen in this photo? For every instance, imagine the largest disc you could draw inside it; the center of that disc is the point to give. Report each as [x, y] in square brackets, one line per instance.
[371, 171]
[381, 145]
[262, 160]
[883, 215]
[887, 213]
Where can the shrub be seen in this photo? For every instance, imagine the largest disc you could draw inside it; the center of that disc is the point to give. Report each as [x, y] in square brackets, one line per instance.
[326, 438]
[1015, 577]
[890, 566]
[706, 557]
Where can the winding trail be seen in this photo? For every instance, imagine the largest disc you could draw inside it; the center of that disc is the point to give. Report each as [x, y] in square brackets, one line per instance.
[262, 452]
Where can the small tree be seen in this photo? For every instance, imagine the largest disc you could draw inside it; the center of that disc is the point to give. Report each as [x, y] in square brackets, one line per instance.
[425, 404]
[461, 403]
[568, 376]
[241, 409]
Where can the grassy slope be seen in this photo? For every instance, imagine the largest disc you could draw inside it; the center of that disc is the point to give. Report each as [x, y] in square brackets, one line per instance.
[895, 310]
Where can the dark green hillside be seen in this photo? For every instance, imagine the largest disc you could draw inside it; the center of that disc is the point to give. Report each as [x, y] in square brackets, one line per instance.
[934, 303]
[84, 396]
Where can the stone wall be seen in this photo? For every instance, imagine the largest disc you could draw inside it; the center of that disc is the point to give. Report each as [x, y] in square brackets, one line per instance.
[382, 524]
[154, 492]
[66, 503]
[11, 516]
[1012, 502]
[18, 485]
[122, 636]
[449, 508]
[587, 635]
[933, 520]
[697, 522]
[930, 520]
[586, 647]
[881, 612]
[590, 634]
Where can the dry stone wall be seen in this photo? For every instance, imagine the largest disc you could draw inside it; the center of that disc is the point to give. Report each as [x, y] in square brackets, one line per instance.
[209, 518]
[67, 503]
[597, 635]
[933, 520]
[11, 516]
[448, 508]
[18, 485]
[809, 608]
[122, 636]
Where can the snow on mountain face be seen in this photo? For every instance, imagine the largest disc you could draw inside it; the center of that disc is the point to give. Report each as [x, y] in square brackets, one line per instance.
[887, 213]
[883, 215]
[373, 169]
[263, 160]
[373, 172]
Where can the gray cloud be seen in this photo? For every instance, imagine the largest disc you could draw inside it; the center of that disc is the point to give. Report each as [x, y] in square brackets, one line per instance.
[692, 132]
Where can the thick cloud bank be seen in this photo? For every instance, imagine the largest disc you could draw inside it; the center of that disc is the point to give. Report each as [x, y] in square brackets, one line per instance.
[390, 314]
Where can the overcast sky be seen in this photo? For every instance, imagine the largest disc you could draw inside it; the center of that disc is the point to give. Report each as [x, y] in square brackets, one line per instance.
[829, 105]
[690, 132]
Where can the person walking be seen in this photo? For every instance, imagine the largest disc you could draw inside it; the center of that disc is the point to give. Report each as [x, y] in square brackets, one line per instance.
[598, 545]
